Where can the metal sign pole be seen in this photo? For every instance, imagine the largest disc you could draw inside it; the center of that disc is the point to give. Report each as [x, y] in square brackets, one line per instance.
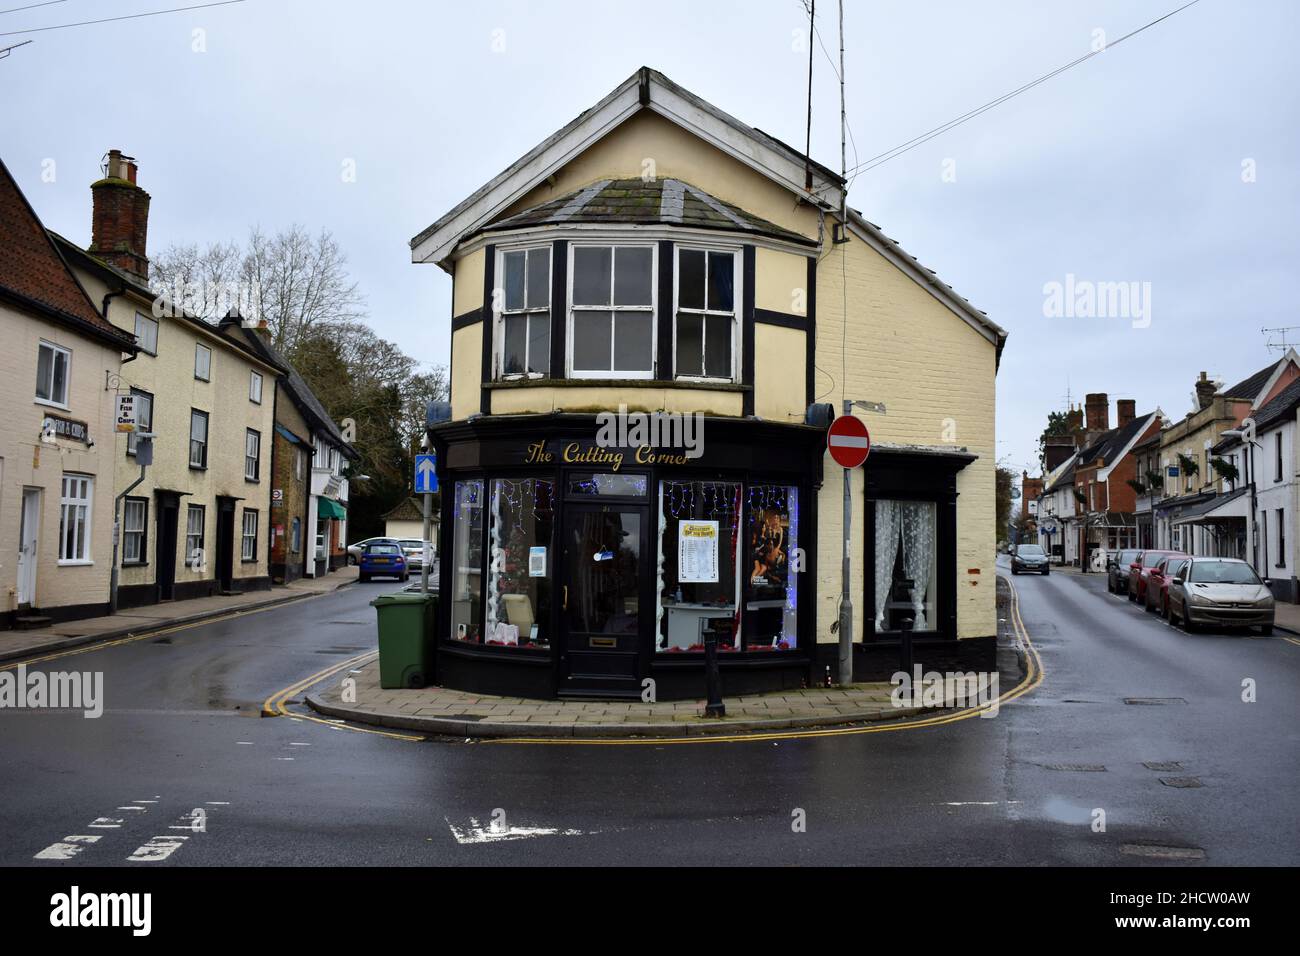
[846, 601]
[424, 543]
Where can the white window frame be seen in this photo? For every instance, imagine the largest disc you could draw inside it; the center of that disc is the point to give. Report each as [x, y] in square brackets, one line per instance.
[247, 540]
[85, 517]
[207, 435]
[299, 457]
[500, 314]
[146, 322]
[202, 512]
[56, 351]
[138, 533]
[200, 348]
[653, 308]
[737, 298]
[255, 387]
[253, 443]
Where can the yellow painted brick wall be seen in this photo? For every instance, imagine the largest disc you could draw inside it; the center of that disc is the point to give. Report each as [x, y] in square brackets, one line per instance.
[936, 376]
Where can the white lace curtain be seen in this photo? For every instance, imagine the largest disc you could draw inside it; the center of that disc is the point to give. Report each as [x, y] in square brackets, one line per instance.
[909, 524]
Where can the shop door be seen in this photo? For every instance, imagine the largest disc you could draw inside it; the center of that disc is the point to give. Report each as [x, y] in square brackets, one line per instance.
[169, 508]
[28, 538]
[603, 563]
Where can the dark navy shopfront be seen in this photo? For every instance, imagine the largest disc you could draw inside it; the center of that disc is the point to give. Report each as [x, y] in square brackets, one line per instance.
[574, 569]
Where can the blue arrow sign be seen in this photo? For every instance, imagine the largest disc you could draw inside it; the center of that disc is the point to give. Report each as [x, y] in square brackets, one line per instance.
[426, 479]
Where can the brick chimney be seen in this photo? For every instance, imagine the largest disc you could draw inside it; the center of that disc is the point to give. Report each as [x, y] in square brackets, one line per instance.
[120, 221]
[1204, 391]
[1126, 409]
[1097, 412]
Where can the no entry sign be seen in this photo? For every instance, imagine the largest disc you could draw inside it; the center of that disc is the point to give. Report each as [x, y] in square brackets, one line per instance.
[848, 441]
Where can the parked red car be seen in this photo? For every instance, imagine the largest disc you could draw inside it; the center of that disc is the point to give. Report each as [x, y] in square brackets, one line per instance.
[1137, 579]
[1157, 590]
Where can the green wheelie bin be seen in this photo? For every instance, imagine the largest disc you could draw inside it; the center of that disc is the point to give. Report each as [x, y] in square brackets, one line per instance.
[405, 649]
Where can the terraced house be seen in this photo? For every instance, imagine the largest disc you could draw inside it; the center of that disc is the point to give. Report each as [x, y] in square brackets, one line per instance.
[196, 524]
[657, 259]
[57, 434]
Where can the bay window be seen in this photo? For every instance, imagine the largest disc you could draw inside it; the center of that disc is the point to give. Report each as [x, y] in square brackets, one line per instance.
[704, 335]
[525, 313]
[611, 302]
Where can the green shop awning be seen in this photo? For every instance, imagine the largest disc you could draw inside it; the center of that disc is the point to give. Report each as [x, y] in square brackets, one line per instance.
[329, 508]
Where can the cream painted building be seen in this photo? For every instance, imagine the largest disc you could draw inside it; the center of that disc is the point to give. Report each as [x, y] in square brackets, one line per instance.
[658, 258]
[57, 433]
[198, 523]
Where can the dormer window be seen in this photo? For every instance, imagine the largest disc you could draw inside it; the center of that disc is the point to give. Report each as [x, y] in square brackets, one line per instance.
[525, 338]
[704, 340]
[612, 311]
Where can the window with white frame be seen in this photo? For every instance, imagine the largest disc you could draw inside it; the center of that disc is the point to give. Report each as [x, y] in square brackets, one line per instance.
[52, 365]
[611, 302]
[74, 519]
[704, 336]
[298, 462]
[198, 438]
[143, 419]
[248, 540]
[252, 454]
[255, 387]
[135, 514]
[146, 333]
[194, 536]
[525, 323]
[202, 363]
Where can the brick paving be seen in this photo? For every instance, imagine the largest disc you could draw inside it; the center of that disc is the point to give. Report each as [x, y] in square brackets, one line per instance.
[442, 711]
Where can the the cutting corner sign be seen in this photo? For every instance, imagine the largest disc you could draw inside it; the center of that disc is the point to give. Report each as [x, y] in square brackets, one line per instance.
[848, 441]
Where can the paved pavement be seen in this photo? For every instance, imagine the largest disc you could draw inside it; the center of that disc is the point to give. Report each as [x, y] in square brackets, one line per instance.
[1187, 774]
[15, 645]
[437, 710]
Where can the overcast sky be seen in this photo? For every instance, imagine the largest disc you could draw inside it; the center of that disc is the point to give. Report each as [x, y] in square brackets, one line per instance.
[1128, 168]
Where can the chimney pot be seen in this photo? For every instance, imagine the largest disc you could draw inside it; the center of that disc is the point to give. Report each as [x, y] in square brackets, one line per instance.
[120, 217]
[1097, 413]
[1126, 410]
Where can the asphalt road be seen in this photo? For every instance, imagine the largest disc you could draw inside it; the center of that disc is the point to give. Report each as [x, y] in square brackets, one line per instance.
[181, 732]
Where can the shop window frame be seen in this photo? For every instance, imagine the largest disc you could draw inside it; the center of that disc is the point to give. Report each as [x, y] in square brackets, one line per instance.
[737, 309]
[613, 243]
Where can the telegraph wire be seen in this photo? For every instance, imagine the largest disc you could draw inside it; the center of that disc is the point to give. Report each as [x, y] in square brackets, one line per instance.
[33, 6]
[129, 16]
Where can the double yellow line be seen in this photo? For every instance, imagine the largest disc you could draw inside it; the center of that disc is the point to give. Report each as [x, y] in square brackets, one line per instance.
[275, 705]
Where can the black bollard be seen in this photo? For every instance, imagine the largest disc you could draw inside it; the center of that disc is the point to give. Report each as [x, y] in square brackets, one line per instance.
[714, 707]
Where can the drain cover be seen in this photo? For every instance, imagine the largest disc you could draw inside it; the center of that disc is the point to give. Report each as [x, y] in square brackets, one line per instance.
[1168, 767]
[1076, 767]
[1154, 701]
[1185, 782]
[1155, 851]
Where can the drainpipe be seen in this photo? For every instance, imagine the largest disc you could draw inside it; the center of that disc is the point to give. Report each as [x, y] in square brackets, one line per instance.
[117, 537]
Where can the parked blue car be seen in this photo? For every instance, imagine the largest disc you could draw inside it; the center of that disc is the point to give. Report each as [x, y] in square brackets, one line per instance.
[383, 558]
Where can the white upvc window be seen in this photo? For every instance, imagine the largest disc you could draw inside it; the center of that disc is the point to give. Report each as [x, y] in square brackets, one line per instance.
[146, 333]
[252, 454]
[198, 438]
[53, 368]
[202, 362]
[135, 512]
[194, 536]
[523, 323]
[706, 335]
[75, 519]
[255, 387]
[612, 310]
[248, 540]
[319, 454]
[298, 458]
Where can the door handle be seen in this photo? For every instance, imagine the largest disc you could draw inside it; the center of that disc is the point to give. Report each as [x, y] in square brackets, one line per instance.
[565, 605]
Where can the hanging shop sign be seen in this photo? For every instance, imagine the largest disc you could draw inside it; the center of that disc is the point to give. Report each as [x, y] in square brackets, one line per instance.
[127, 412]
[697, 551]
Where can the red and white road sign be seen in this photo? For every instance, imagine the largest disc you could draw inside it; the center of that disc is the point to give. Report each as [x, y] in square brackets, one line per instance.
[848, 441]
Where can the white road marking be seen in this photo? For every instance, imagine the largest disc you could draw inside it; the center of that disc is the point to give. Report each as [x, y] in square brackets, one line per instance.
[244, 743]
[296, 744]
[157, 849]
[476, 833]
[69, 847]
[979, 803]
[283, 758]
[144, 801]
[218, 803]
[105, 823]
[141, 809]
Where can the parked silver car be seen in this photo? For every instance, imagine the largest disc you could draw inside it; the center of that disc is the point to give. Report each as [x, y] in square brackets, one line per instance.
[1222, 591]
[413, 548]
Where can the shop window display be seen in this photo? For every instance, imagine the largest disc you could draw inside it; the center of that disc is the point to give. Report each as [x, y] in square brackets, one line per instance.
[521, 526]
[467, 562]
[773, 569]
[700, 554]
[905, 566]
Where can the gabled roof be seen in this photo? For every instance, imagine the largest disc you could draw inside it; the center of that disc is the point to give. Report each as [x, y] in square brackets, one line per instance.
[408, 509]
[34, 274]
[642, 202]
[1111, 446]
[1063, 477]
[1256, 386]
[646, 89]
[1283, 406]
[294, 385]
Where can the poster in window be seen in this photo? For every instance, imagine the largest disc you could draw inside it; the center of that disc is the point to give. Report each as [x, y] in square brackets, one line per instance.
[767, 546]
[697, 551]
